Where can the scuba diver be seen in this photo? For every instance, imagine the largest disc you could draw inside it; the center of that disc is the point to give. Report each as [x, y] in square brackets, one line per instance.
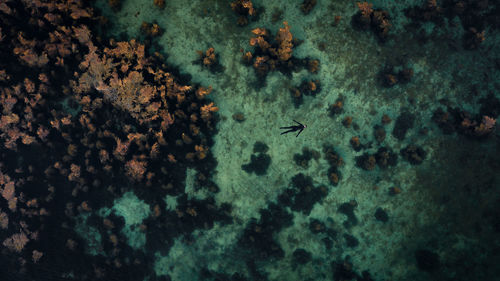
[294, 128]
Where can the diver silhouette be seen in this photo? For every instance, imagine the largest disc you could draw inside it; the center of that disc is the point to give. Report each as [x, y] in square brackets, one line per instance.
[294, 128]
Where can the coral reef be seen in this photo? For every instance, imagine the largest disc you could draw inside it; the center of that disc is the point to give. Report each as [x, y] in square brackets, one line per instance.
[336, 20]
[259, 161]
[375, 19]
[83, 121]
[337, 107]
[390, 76]
[335, 161]
[307, 88]
[313, 65]
[245, 11]
[348, 209]
[303, 195]
[258, 235]
[94, 128]
[430, 11]
[307, 6]
[456, 120]
[381, 215]
[238, 117]
[344, 270]
[270, 55]
[301, 256]
[347, 121]
[413, 154]
[209, 59]
[302, 160]
[159, 3]
[404, 122]
[366, 162]
[379, 133]
[386, 119]
[351, 241]
[151, 29]
[384, 157]
[474, 17]
[355, 143]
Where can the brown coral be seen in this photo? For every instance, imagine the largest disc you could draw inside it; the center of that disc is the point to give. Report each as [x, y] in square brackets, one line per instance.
[245, 9]
[159, 3]
[209, 59]
[365, 9]
[16, 242]
[376, 19]
[135, 169]
[206, 111]
[284, 39]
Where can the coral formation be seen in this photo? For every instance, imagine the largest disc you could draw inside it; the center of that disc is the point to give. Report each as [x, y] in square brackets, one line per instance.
[307, 6]
[366, 161]
[159, 3]
[303, 195]
[456, 120]
[347, 121]
[355, 143]
[270, 55]
[209, 59]
[348, 209]
[335, 161]
[151, 29]
[245, 10]
[317, 226]
[307, 88]
[313, 66]
[381, 215]
[386, 119]
[238, 117]
[430, 11]
[404, 122]
[390, 76]
[474, 17]
[258, 235]
[301, 256]
[259, 161]
[413, 154]
[336, 20]
[337, 107]
[384, 157]
[351, 241]
[379, 133]
[302, 160]
[376, 19]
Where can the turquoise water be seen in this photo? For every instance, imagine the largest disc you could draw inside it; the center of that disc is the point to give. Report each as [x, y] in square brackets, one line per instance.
[263, 215]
